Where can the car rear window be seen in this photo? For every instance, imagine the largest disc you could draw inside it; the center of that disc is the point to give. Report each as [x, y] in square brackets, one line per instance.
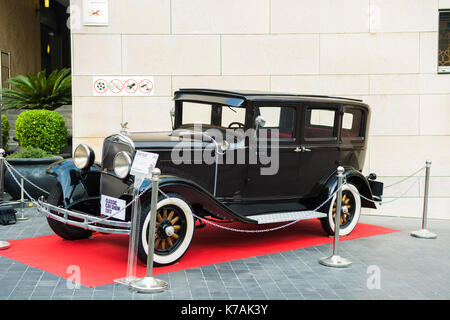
[351, 123]
[320, 124]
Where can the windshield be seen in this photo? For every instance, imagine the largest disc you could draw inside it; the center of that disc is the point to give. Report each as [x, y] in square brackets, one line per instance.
[212, 115]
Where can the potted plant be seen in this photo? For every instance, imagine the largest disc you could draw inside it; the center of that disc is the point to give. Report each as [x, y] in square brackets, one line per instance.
[40, 131]
[31, 163]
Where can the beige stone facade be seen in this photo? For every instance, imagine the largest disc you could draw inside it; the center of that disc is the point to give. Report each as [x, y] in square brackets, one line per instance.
[19, 35]
[381, 51]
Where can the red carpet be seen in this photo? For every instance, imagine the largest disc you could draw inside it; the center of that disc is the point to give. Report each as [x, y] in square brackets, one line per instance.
[103, 258]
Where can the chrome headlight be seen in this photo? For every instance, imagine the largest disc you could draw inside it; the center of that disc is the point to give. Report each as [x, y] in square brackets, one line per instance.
[122, 164]
[83, 156]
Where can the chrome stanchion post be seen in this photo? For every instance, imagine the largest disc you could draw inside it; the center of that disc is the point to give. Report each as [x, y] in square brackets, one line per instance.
[424, 233]
[22, 202]
[335, 260]
[149, 284]
[2, 174]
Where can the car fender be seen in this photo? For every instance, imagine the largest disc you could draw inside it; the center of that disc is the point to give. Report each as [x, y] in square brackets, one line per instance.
[195, 194]
[353, 176]
[77, 185]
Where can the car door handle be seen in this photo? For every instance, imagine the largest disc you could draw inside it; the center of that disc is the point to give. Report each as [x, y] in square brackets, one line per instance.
[302, 149]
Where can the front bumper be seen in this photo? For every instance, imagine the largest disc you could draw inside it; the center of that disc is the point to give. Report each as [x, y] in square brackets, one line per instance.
[88, 222]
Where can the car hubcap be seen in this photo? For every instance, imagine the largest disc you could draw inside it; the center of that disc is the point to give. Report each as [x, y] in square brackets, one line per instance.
[347, 208]
[169, 229]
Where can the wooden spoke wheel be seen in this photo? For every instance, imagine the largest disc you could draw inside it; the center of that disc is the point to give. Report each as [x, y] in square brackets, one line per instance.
[347, 208]
[350, 211]
[174, 229]
[170, 229]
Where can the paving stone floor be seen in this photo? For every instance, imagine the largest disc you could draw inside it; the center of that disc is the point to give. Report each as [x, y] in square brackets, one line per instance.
[391, 266]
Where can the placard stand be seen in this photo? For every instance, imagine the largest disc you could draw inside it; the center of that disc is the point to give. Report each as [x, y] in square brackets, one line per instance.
[134, 238]
[149, 284]
[142, 167]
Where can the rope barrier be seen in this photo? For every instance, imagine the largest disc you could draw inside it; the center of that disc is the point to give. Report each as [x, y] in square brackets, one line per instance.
[24, 178]
[261, 230]
[13, 170]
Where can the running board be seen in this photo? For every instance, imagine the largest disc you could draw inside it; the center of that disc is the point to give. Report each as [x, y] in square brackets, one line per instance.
[286, 216]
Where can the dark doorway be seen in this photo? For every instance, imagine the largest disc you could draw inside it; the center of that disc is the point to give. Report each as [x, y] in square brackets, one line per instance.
[55, 36]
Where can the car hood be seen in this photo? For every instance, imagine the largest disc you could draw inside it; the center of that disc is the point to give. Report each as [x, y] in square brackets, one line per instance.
[159, 140]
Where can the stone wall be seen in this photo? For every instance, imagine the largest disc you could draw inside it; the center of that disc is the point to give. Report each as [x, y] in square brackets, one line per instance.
[381, 51]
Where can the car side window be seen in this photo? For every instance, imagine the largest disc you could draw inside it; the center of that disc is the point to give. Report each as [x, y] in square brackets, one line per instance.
[320, 124]
[352, 123]
[279, 118]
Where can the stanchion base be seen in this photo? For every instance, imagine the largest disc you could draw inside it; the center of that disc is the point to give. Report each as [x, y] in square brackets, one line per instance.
[423, 234]
[4, 245]
[335, 261]
[149, 285]
[22, 219]
[126, 281]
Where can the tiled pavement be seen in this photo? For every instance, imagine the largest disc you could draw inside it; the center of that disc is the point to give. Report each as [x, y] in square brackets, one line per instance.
[408, 268]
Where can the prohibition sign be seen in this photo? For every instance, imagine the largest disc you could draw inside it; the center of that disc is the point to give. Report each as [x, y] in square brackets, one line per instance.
[101, 86]
[146, 86]
[116, 86]
[131, 86]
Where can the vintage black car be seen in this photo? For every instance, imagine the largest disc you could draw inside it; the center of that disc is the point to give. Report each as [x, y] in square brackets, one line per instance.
[305, 138]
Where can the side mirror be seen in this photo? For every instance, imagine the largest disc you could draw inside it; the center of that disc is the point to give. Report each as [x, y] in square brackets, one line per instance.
[225, 145]
[260, 122]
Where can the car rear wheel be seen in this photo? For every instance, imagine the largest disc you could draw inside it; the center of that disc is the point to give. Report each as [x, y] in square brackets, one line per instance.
[174, 229]
[65, 231]
[350, 212]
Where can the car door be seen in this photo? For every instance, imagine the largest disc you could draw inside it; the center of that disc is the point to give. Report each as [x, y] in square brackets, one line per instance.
[273, 172]
[319, 150]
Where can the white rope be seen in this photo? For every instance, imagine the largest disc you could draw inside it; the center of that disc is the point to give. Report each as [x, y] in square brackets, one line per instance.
[24, 178]
[10, 168]
[406, 178]
[395, 198]
[261, 230]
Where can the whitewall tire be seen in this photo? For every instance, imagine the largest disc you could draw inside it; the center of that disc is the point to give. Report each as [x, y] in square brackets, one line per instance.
[350, 213]
[173, 233]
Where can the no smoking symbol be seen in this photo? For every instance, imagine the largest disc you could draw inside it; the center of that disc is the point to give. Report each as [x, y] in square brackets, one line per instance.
[146, 86]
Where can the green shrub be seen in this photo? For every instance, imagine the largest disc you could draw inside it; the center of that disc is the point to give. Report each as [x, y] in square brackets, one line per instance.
[29, 152]
[43, 129]
[5, 131]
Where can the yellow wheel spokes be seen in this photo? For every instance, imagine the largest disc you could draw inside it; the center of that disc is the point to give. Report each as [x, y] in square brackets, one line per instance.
[344, 214]
[167, 217]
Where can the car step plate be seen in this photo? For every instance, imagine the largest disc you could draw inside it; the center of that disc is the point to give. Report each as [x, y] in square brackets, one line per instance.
[286, 216]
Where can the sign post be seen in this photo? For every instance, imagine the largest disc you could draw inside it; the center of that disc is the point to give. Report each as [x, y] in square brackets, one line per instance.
[142, 166]
[149, 284]
[335, 260]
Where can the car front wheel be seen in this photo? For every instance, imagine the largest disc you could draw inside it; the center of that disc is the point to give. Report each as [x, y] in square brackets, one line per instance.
[65, 231]
[174, 229]
[350, 212]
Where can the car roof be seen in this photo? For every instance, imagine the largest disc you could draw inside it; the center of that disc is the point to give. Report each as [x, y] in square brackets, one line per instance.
[252, 95]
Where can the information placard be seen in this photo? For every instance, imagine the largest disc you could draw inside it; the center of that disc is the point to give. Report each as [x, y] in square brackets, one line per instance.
[110, 206]
[143, 163]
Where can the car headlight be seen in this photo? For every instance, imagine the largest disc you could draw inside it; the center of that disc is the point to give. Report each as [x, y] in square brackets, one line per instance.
[83, 156]
[122, 164]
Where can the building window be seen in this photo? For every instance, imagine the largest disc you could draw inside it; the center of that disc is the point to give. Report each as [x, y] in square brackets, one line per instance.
[444, 42]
